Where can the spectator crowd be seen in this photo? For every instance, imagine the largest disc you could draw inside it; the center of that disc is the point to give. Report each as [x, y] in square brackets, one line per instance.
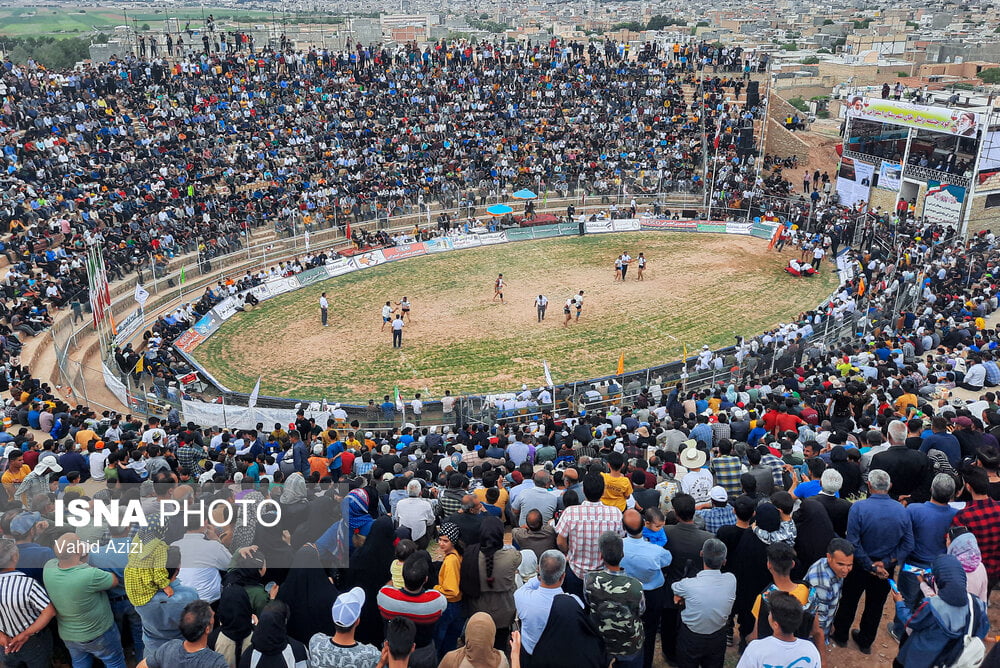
[668, 524]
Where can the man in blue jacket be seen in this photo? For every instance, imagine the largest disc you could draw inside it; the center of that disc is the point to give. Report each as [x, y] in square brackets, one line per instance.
[879, 528]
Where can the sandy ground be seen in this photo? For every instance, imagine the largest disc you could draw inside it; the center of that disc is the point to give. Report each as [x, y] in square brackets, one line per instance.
[697, 289]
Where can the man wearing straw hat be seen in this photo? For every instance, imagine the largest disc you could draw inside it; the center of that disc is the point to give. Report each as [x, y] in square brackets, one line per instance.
[698, 481]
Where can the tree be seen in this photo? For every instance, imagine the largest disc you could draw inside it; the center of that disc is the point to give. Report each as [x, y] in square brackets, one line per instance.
[828, 22]
[49, 51]
[799, 104]
[810, 60]
[144, 27]
[990, 75]
[659, 22]
[634, 26]
[790, 46]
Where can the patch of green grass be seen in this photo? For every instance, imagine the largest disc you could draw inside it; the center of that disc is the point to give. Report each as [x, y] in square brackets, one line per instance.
[701, 289]
[31, 21]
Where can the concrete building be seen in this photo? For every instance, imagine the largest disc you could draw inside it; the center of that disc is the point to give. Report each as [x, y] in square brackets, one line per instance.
[943, 156]
[951, 52]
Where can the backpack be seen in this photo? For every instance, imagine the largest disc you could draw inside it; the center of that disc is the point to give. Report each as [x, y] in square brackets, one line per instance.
[764, 627]
[973, 651]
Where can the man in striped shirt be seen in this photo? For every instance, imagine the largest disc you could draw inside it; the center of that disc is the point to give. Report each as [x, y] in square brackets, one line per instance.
[25, 612]
[420, 605]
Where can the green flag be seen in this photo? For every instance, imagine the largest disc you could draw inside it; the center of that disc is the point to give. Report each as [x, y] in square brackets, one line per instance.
[183, 278]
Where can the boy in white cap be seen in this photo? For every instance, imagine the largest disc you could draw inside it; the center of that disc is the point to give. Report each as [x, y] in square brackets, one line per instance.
[341, 650]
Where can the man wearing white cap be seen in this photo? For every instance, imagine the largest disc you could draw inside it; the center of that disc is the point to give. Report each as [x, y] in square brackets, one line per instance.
[37, 482]
[341, 650]
[718, 513]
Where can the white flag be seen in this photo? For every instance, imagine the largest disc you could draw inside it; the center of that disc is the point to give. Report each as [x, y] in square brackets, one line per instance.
[548, 374]
[253, 395]
[306, 237]
[141, 294]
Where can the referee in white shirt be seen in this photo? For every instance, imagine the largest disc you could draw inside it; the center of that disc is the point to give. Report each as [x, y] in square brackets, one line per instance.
[324, 305]
[541, 303]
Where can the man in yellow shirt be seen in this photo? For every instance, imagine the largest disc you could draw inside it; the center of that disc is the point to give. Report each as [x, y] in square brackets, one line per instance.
[16, 471]
[617, 486]
[85, 436]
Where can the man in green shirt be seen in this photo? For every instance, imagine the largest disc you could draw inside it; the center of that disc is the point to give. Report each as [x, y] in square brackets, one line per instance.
[77, 590]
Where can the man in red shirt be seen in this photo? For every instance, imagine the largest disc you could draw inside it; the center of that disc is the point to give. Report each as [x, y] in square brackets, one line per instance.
[809, 414]
[982, 517]
[786, 421]
[770, 419]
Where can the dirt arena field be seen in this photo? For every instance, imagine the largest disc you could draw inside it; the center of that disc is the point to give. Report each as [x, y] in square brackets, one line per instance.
[699, 289]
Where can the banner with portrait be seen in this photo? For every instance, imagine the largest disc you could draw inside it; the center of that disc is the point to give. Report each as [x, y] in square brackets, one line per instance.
[854, 181]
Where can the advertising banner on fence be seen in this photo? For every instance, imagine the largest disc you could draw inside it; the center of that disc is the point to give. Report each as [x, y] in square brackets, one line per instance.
[403, 251]
[675, 225]
[312, 276]
[189, 340]
[113, 383]
[626, 225]
[226, 309]
[439, 245]
[369, 259]
[712, 227]
[598, 226]
[738, 228]
[465, 241]
[260, 292]
[129, 326]
[546, 231]
[208, 324]
[280, 286]
[340, 266]
[919, 116]
[890, 174]
[493, 238]
[943, 203]
[521, 233]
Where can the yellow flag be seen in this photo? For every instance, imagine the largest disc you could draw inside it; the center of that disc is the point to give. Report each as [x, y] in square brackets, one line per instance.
[139, 364]
[621, 363]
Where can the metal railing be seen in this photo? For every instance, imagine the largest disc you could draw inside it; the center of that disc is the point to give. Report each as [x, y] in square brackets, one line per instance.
[928, 174]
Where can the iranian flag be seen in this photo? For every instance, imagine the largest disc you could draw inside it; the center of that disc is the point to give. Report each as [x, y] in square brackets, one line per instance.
[100, 291]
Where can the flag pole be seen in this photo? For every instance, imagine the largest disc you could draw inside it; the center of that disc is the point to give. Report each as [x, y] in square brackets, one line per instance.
[152, 268]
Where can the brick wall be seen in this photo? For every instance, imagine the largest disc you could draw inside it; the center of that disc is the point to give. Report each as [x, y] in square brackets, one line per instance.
[981, 218]
[782, 142]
